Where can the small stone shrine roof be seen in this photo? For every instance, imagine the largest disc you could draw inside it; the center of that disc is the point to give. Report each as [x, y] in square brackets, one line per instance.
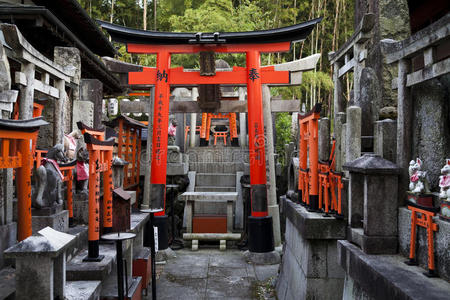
[372, 164]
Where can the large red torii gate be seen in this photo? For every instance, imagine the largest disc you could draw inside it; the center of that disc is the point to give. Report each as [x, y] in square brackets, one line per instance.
[253, 75]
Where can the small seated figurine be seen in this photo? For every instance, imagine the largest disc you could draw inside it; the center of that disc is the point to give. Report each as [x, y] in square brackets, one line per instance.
[418, 182]
[444, 182]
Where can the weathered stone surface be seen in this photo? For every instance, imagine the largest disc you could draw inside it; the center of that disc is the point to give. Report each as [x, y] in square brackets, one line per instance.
[309, 268]
[81, 208]
[441, 242]
[385, 139]
[8, 237]
[339, 149]
[369, 100]
[87, 290]
[388, 112]
[314, 225]
[387, 276]
[58, 221]
[92, 90]
[431, 130]
[353, 134]
[83, 111]
[324, 139]
[371, 164]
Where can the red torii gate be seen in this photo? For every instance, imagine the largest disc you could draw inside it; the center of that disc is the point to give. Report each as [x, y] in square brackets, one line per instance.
[253, 75]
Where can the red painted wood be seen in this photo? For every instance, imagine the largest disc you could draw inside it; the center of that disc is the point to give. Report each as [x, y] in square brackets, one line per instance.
[209, 224]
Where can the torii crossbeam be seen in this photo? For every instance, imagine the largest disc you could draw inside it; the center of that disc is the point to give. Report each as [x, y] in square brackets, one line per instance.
[164, 44]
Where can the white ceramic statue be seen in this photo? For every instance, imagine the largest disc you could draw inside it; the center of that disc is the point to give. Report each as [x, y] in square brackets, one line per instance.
[417, 179]
[444, 181]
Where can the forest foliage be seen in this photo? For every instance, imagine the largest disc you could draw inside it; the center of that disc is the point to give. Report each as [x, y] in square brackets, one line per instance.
[242, 15]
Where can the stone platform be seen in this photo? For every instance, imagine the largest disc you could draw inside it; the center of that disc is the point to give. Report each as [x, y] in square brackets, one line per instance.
[309, 268]
[371, 277]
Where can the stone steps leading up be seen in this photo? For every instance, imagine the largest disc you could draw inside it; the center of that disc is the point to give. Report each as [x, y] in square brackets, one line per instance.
[215, 179]
[215, 189]
[216, 167]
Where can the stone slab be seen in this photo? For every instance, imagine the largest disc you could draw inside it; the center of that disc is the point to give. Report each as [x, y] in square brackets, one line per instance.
[86, 290]
[314, 225]
[58, 221]
[177, 169]
[7, 283]
[388, 277]
[209, 196]
[8, 237]
[76, 269]
[441, 242]
[109, 291]
[81, 240]
[81, 208]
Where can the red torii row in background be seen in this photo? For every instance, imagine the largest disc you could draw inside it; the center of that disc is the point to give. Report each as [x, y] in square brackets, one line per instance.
[253, 75]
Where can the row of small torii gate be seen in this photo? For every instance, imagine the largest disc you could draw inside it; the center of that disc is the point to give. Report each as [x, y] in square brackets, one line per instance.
[260, 229]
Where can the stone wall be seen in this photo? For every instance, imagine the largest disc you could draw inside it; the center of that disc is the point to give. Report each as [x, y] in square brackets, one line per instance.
[441, 242]
[309, 267]
[431, 126]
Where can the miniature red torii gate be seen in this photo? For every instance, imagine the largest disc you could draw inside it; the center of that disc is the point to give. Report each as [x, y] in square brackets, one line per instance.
[100, 161]
[253, 75]
[206, 125]
[16, 138]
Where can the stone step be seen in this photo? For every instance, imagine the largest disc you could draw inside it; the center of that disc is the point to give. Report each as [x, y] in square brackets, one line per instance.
[7, 283]
[215, 188]
[216, 167]
[215, 179]
[86, 290]
[78, 270]
[109, 289]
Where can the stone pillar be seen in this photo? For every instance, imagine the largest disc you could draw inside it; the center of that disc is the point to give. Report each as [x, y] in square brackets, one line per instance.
[324, 139]
[192, 133]
[179, 136]
[273, 209]
[385, 139]
[147, 159]
[69, 57]
[242, 121]
[338, 122]
[380, 203]
[404, 125]
[343, 143]
[353, 134]
[339, 105]
[92, 90]
[60, 114]
[309, 268]
[27, 93]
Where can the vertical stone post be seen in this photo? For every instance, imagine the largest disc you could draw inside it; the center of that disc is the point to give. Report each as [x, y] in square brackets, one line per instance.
[92, 90]
[242, 121]
[27, 92]
[192, 132]
[337, 93]
[273, 209]
[147, 159]
[324, 139]
[353, 134]
[385, 139]
[404, 124]
[338, 123]
[60, 114]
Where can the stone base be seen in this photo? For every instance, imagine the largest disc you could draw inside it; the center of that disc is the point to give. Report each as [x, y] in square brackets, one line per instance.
[373, 244]
[309, 268]
[177, 169]
[81, 208]
[47, 211]
[266, 258]
[109, 291]
[8, 237]
[165, 254]
[385, 277]
[58, 221]
[87, 290]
